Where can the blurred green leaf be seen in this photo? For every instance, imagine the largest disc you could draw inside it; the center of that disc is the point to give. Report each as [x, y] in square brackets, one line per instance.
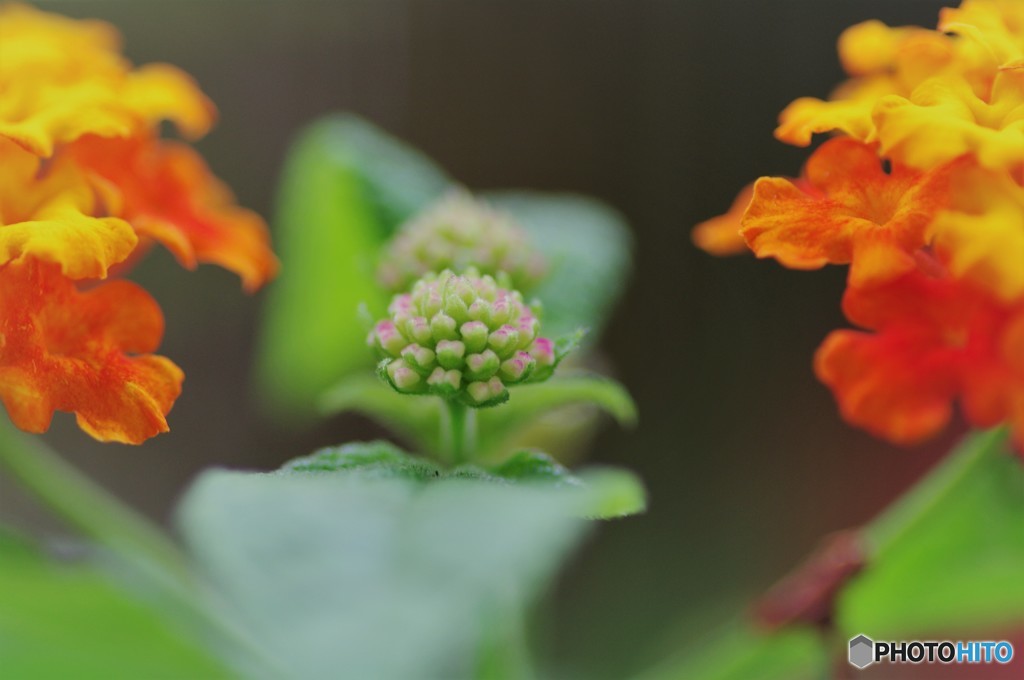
[416, 419]
[345, 188]
[588, 247]
[742, 653]
[413, 418]
[67, 620]
[374, 577]
[529, 402]
[950, 555]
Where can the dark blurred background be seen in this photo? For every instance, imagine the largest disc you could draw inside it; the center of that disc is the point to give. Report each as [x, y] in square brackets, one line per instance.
[662, 109]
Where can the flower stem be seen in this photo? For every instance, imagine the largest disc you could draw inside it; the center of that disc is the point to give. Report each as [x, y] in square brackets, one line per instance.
[459, 432]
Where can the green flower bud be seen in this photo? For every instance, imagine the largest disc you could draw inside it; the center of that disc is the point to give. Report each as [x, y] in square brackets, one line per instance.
[443, 327]
[426, 349]
[450, 354]
[458, 232]
[483, 365]
[419, 358]
[518, 368]
[404, 378]
[474, 334]
[504, 341]
[486, 392]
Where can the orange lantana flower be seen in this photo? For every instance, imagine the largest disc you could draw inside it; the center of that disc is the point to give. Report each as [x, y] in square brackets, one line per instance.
[935, 245]
[846, 209]
[84, 175]
[935, 341]
[165, 190]
[83, 352]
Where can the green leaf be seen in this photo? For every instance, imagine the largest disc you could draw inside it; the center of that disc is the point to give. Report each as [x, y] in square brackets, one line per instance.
[598, 492]
[588, 247]
[414, 419]
[67, 620]
[346, 186]
[374, 577]
[949, 557]
[740, 653]
[377, 460]
[530, 402]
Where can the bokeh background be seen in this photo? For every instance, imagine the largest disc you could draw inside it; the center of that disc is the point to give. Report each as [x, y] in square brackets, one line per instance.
[662, 109]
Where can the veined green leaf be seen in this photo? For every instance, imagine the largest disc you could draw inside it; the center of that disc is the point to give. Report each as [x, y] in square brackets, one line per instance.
[598, 492]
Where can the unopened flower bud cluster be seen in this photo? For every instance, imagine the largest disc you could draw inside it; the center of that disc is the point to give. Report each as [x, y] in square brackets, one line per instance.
[459, 232]
[461, 337]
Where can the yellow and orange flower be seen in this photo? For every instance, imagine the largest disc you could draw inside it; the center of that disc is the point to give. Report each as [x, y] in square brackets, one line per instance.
[61, 79]
[935, 241]
[847, 210]
[85, 184]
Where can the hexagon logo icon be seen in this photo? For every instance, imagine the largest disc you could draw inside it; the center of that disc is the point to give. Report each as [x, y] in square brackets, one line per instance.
[862, 651]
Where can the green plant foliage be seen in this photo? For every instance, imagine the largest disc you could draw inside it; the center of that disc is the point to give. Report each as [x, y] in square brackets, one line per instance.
[374, 574]
[945, 560]
[588, 247]
[67, 620]
[599, 492]
[529, 402]
[345, 189]
[416, 419]
[742, 653]
[346, 186]
[950, 555]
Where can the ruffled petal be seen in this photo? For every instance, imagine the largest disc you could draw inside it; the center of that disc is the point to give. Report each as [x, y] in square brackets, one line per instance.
[894, 386]
[981, 237]
[48, 215]
[721, 235]
[66, 350]
[847, 209]
[62, 79]
[945, 119]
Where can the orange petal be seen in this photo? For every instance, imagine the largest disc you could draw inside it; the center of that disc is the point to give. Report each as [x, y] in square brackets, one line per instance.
[935, 341]
[847, 209]
[48, 215]
[166, 192]
[62, 349]
[721, 235]
[891, 385]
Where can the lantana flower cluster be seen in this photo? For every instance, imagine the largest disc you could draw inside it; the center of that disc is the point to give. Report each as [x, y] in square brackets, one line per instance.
[461, 337]
[920, 192]
[86, 185]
